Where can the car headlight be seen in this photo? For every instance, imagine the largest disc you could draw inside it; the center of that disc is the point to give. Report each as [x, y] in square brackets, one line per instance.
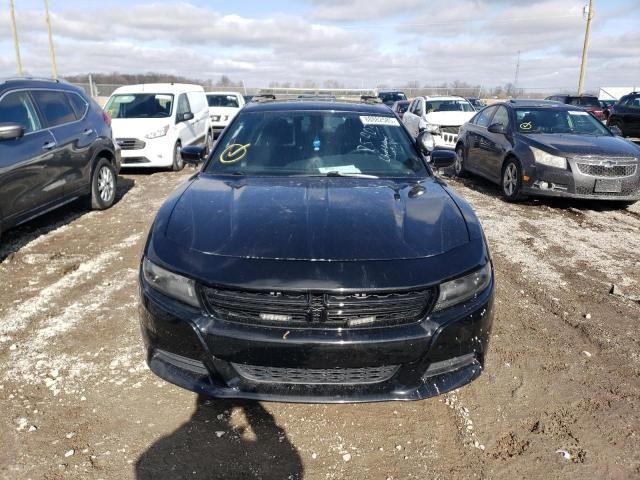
[161, 132]
[169, 283]
[463, 288]
[545, 158]
[429, 127]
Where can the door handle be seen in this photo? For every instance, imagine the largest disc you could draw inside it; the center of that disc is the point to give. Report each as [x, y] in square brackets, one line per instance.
[49, 145]
[88, 131]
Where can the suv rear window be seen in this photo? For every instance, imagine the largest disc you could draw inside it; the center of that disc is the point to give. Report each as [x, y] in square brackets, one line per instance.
[584, 101]
[54, 106]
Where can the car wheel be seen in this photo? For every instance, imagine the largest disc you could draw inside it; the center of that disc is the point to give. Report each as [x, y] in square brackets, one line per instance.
[458, 165]
[512, 181]
[178, 163]
[103, 185]
[209, 142]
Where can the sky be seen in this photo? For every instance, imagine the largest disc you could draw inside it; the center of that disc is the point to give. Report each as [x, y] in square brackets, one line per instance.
[359, 43]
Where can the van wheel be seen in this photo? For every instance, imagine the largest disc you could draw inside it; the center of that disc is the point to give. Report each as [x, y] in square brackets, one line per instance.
[512, 181]
[103, 185]
[178, 163]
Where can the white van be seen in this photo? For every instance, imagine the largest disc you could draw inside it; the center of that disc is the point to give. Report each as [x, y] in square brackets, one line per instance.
[152, 122]
[223, 106]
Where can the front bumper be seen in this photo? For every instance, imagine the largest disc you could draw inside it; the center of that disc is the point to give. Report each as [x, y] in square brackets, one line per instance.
[157, 152]
[210, 356]
[573, 183]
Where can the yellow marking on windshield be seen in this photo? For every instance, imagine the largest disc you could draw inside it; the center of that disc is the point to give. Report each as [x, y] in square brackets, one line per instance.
[234, 153]
[525, 126]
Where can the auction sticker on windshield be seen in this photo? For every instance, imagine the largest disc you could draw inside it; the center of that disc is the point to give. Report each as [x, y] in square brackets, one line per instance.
[376, 120]
[573, 112]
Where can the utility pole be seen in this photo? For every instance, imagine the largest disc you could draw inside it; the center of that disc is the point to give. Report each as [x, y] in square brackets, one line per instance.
[585, 47]
[515, 81]
[15, 37]
[52, 52]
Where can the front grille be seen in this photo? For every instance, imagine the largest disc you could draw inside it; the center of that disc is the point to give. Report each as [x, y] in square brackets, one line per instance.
[599, 170]
[319, 310]
[130, 143]
[453, 130]
[627, 190]
[317, 376]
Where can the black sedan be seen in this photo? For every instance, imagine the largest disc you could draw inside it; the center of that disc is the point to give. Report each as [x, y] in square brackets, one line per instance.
[546, 148]
[315, 258]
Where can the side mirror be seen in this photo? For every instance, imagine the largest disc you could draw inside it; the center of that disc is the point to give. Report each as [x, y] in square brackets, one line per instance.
[11, 131]
[425, 142]
[183, 117]
[192, 154]
[497, 128]
[443, 158]
[616, 130]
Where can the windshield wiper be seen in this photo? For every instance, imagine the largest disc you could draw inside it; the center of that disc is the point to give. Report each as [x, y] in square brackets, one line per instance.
[335, 173]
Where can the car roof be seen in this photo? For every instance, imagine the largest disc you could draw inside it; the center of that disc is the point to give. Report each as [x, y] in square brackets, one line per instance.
[539, 103]
[221, 92]
[305, 105]
[34, 82]
[443, 97]
[159, 88]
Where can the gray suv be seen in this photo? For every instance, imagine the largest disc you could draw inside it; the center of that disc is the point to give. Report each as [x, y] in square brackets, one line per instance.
[55, 146]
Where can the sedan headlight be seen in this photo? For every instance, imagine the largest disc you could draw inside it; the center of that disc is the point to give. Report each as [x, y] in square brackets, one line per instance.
[169, 283]
[161, 132]
[463, 288]
[545, 158]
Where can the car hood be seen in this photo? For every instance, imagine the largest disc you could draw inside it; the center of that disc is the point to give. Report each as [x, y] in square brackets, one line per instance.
[137, 127]
[583, 145]
[319, 219]
[449, 118]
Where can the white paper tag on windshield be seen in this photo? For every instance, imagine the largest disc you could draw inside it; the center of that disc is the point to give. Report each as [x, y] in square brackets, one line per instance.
[340, 169]
[377, 120]
[575, 112]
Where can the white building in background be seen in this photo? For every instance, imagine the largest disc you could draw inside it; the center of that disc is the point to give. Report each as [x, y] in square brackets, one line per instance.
[614, 93]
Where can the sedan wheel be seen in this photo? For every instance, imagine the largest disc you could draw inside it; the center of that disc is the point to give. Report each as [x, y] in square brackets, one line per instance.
[512, 181]
[458, 166]
[106, 185]
[103, 185]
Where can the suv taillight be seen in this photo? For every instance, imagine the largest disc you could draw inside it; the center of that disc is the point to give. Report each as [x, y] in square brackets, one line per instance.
[107, 118]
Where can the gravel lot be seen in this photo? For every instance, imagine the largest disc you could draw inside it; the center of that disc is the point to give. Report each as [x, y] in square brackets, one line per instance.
[560, 397]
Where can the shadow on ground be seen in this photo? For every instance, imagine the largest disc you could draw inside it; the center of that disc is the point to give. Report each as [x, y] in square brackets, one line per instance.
[253, 447]
[14, 239]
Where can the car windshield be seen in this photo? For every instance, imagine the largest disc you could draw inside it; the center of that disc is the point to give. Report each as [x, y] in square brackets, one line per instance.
[585, 102]
[316, 143]
[552, 120]
[449, 106]
[140, 105]
[223, 101]
[390, 97]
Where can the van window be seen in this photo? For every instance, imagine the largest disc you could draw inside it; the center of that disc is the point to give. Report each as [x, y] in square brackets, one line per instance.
[183, 104]
[16, 107]
[140, 105]
[54, 106]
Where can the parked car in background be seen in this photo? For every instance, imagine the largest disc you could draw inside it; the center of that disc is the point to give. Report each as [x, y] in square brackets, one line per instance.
[391, 96]
[247, 98]
[476, 102]
[590, 103]
[55, 147]
[400, 107]
[440, 116]
[223, 106]
[625, 115]
[316, 258]
[533, 147]
[153, 122]
[606, 108]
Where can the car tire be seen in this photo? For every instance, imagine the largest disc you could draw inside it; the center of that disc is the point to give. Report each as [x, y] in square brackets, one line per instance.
[178, 163]
[458, 165]
[511, 181]
[208, 142]
[615, 123]
[103, 185]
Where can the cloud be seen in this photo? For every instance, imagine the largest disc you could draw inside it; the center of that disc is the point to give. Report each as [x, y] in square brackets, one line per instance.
[361, 42]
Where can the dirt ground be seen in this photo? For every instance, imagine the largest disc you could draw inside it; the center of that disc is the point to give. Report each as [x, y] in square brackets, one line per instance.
[560, 396]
